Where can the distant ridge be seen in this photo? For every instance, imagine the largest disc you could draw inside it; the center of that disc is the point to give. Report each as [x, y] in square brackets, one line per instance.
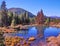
[20, 10]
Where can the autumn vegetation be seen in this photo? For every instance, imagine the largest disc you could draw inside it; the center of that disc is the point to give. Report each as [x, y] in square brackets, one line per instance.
[8, 18]
[9, 21]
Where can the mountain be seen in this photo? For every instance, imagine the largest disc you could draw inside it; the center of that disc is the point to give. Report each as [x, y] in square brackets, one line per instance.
[55, 17]
[20, 10]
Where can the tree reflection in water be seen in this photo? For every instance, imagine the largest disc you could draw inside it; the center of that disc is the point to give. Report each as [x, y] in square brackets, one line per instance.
[40, 30]
[37, 31]
[40, 35]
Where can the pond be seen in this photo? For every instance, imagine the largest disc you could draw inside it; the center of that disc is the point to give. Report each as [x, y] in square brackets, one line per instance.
[35, 32]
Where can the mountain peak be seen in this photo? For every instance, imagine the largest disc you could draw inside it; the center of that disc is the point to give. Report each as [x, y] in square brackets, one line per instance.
[19, 11]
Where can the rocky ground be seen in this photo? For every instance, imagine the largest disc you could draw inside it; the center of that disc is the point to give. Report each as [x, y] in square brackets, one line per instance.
[52, 24]
[20, 41]
[11, 29]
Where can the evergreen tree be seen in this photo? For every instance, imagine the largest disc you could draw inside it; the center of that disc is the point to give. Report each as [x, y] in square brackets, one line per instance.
[27, 18]
[4, 14]
[1, 17]
[10, 17]
[40, 17]
[47, 21]
[20, 19]
[13, 23]
[3, 6]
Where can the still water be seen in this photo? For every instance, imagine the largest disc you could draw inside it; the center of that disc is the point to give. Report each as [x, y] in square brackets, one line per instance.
[35, 31]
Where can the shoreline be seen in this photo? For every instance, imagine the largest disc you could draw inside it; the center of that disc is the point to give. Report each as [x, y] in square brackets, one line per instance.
[55, 25]
[11, 29]
[28, 42]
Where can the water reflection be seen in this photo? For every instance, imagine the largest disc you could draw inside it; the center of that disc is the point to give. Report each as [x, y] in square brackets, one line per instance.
[40, 30]
[36, 32]
[40, 34]
[51, 31]
[32, 31]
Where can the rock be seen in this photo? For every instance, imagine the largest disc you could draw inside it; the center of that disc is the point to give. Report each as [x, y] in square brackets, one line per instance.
[52, 44]
[18, 44]
[21, 38]
[31, 39]
[52, 38]
[58, 39]
[29, 42]
[40, 35]
[26, 44]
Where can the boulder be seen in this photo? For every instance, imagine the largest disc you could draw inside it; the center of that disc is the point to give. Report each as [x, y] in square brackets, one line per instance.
[52, 39]
[31, 39]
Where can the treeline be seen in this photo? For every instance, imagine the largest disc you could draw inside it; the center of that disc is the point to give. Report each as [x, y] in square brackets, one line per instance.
[42, 19]
[8, 18]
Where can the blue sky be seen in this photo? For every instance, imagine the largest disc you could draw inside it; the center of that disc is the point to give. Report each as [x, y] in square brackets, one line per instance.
[50, 7]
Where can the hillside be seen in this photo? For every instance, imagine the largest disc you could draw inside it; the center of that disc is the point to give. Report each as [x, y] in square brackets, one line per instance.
[20, 10]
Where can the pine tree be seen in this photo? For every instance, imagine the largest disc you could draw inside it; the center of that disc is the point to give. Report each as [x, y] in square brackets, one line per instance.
[4, 14]
[1, 17]
[10, 17]
[27, 18]
[3, 6]
[13, 23]
[40, 17]
[20, 19]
